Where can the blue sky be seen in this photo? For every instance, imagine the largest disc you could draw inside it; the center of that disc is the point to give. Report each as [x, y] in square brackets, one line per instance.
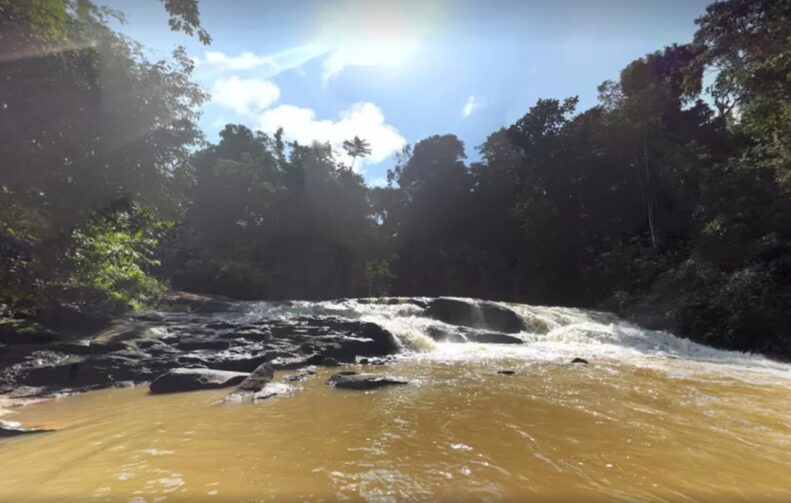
[396, 72]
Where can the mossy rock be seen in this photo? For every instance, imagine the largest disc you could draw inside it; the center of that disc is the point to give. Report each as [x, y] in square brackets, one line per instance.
[19, 331]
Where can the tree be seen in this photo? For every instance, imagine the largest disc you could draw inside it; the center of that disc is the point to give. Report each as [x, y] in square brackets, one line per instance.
[95, 136]
[356, 147]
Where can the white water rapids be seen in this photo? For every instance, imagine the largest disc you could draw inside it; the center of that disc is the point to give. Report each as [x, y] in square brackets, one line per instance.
[551, 334]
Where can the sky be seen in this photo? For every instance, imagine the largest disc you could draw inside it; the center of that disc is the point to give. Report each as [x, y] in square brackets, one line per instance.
[396, 72]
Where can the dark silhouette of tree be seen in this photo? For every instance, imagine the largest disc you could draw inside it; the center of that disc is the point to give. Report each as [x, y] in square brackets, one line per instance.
[356, 147]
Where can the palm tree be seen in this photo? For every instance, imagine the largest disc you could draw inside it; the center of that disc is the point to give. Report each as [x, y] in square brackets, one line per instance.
[356, 147]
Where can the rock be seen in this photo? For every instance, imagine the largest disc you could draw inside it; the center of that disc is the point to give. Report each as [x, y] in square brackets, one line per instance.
[506, 372]
[330, 362]
[271, 390]
[301, 375]
[13, 429]
[236, 363]
[196, 303]
[474, 314]
[182, 379]
[13, 331]
[220, 325]
[493, 338]
[89, 372]
[442, 335]
[152, 316]
[212, 344]
[363, 381]
[257, 379]
[294, 362]
[582, 361]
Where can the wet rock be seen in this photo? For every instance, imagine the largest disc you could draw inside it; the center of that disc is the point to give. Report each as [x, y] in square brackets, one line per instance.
[301, 375]
[152, 316]
[88, 372]
[480, 314]
[257, 379]
[182, 379]
[506, 372]
[13, 429]
[271, 390]
[442, 335]
[251, 334]
[363, 381]
[581, 361]
[219, 325]
[196, 303]
[330, 362]
[14, 331]
[494, 338]
[295, 362]
[236, 363]
[212, 344]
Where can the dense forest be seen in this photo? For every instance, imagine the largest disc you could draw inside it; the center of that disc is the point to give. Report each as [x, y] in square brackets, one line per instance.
[668, 202]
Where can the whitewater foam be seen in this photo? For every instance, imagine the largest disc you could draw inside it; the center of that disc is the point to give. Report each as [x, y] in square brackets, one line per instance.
[551, 333]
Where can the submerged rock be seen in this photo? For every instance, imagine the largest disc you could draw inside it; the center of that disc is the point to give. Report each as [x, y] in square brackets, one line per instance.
[478, 314]
[271, 390]
[582, 361]
[355, 381]
[176, 380]
[506, 372]
[13, 429]
[301, 375]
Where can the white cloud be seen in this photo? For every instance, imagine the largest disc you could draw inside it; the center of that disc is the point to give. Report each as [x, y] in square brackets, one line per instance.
[266, 66]
[244, 61]
[245, 96]
[378, 182]
[363, 119]
[473, 103]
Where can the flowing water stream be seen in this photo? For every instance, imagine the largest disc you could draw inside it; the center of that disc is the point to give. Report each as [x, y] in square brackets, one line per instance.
[651, 418]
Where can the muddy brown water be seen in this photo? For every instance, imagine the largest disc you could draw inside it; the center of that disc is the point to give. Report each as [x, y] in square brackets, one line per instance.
[657, 429]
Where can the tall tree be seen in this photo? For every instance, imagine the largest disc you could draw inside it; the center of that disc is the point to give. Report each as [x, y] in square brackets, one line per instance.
[356, 147]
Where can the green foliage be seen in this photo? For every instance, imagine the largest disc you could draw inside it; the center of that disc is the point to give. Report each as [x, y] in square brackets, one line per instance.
[114, 256]
[379, 277]
[93, 132]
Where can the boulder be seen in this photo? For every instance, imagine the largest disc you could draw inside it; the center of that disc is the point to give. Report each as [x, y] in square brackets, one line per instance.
[474, 314]
[493, 338]
[440, 334]
[354, 381]
[87, 372]
[181, 379]
[257, 379]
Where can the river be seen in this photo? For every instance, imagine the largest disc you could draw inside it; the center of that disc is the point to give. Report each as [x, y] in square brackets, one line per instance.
[650, 418]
